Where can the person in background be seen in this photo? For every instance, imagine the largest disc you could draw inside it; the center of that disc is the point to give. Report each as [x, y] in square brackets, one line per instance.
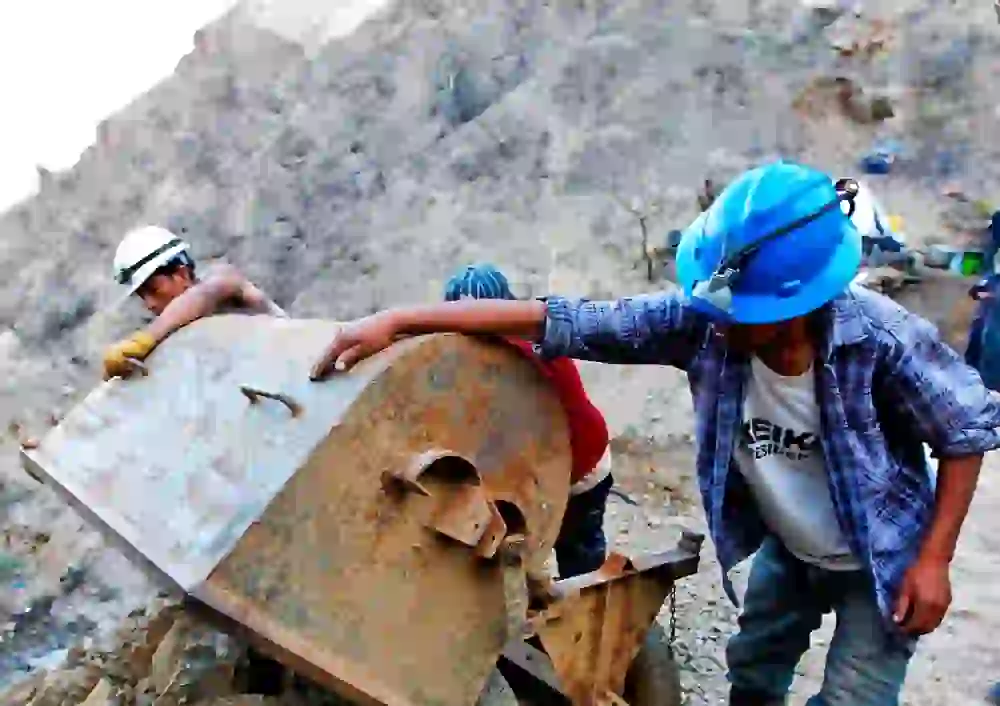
[707, 195]
[155, 265]
[984, 293]
[581, 546]
[812, 398]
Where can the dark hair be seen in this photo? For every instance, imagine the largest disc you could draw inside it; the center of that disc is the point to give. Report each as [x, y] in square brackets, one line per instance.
[176, 263]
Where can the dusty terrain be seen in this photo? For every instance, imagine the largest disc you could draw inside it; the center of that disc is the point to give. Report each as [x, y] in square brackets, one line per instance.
[542, 136]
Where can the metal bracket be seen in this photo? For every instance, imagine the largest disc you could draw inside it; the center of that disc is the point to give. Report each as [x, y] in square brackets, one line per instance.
[467, 515]
[515, 587]
[254, 395]
[594, 630]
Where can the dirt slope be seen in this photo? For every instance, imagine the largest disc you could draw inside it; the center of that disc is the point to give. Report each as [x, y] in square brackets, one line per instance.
[532, 134]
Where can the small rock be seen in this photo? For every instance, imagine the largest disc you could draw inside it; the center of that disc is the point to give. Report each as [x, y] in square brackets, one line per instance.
[69, 686]
[23, 692]
[146, 640]
[76, 656]
[102, 695]
[193, 662]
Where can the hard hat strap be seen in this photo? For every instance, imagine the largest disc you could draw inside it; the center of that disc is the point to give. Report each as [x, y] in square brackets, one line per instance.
[718, 290]
[125, 275]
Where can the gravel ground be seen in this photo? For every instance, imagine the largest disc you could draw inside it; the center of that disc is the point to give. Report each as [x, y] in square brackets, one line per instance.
[546, 137]
[954, 665]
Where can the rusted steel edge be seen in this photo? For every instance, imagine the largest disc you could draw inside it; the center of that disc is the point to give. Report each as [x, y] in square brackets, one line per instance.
[351, 680]
[669, 565]
[522, 664]
[664, 567]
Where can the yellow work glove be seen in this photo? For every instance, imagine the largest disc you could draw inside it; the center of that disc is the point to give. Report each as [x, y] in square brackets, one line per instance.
[136, 346]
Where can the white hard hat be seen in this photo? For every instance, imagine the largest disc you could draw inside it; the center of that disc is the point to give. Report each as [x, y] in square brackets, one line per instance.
[142, 252]
[868, 216]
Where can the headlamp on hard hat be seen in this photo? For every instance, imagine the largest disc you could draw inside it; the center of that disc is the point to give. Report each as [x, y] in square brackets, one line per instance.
[716, 293]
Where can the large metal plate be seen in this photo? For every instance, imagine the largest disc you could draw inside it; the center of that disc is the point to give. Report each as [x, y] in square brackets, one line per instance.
[179, 463]
[284, 522]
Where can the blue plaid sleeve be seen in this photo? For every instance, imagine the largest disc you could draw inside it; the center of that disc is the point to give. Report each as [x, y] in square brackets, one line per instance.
[944, 398]
[655, 329]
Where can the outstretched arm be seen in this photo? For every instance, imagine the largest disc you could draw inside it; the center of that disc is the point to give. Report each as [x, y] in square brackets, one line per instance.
[224, 284]
[654, 329]
[947, 406]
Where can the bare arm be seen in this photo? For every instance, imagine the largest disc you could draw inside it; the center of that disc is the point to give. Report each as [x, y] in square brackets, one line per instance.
[947, 406]
[224, 284]
[925, 592]
[956, 484]
[655, 329]
[524, 319]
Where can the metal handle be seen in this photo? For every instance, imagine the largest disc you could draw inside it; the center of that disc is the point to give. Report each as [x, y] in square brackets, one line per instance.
[138, 365]
[254, 396]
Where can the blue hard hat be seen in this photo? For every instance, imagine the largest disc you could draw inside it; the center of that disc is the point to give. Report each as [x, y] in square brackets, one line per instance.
[777, 243]
[483, 281]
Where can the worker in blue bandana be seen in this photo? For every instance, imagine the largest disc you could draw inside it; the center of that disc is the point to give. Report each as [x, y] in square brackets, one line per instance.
[813, 398]
[581, 546]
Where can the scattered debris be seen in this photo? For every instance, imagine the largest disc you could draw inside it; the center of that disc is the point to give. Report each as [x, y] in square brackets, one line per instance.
[163, 655]
[863, 41]
[881, 158]
[826, 94]
[886, 280]
[815, 16]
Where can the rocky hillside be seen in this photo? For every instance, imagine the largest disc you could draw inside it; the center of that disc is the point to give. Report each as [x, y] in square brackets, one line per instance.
[547, 137]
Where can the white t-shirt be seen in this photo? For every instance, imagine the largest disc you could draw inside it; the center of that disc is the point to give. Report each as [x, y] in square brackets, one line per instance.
[779, 453]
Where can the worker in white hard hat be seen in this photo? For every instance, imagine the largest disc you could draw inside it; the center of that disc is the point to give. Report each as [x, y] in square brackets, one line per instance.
[877, 229]
[156, 265]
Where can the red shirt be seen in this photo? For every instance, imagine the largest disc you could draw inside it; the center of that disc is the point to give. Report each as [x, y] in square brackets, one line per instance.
[588, 432]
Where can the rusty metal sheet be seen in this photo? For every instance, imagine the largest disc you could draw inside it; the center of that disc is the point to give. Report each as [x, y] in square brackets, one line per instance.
[179, 463]
[594, 631]
[276, 512]
[361, 575]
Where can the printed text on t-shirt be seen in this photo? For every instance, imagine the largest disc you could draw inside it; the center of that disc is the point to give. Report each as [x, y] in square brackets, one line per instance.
[764, 438]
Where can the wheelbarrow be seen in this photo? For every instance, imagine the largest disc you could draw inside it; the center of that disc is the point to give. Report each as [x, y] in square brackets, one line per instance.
[384, 532]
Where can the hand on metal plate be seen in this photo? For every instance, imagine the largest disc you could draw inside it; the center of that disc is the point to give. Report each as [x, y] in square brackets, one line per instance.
[125, 357]
[355, 341]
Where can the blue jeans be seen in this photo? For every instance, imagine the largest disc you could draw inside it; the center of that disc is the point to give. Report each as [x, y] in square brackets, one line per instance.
[581, 546]
[784, 603]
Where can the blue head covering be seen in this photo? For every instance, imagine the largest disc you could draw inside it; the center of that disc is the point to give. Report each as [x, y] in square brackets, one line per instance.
[482, 281]
[812, 262]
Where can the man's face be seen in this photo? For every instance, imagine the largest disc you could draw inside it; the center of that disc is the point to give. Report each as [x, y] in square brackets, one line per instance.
[161, 289]
[752, 339]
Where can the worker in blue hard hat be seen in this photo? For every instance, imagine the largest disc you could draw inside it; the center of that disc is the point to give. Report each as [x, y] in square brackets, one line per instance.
[812, 400]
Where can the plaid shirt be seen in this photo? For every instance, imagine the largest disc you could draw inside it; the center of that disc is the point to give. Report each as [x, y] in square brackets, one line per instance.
[885, 384]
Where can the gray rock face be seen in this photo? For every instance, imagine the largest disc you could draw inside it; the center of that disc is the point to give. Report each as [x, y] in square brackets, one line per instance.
[350, 175]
